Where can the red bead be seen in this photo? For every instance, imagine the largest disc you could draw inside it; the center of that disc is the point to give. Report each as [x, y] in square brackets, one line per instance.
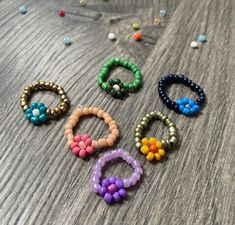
[61, 13]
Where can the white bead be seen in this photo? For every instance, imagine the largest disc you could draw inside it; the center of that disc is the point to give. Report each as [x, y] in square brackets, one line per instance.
[36, 112]
[82, 145]
[111, 36]
[116, 87]
[194, 44]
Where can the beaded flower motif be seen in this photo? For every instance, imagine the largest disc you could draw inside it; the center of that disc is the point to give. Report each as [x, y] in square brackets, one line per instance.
[116, 88]
[152, 148]
[36, 114]
[188, 106]
[112, 190]
[82, 145]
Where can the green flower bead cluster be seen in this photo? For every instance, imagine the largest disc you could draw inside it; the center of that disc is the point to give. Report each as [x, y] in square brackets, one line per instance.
[115, 87]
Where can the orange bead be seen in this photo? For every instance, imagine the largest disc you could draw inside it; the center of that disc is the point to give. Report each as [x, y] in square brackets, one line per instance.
[153, 148]
[137, 36]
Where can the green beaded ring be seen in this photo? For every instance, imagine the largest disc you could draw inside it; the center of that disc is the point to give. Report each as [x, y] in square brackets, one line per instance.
[117, 88]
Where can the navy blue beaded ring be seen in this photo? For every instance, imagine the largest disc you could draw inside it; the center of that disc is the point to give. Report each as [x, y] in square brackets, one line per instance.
[186, 106]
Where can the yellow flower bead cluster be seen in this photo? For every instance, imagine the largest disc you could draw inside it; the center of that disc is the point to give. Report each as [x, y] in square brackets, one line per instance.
[152, 148]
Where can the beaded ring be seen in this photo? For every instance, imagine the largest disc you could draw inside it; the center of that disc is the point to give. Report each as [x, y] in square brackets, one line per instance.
[83, 145]
[186, 106]
[113, 189]
[116, 87]
[37, 113]
[152, 147]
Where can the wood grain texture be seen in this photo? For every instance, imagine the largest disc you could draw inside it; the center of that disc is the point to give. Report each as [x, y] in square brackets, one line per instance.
[41, 182]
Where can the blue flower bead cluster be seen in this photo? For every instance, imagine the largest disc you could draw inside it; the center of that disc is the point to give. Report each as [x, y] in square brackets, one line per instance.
[36, 114]
[187, 107]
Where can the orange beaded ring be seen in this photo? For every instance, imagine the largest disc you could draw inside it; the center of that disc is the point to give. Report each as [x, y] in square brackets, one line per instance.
[83, 145]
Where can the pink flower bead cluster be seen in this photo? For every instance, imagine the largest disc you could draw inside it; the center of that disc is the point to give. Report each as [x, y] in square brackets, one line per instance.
[113, 189]
[82, 146]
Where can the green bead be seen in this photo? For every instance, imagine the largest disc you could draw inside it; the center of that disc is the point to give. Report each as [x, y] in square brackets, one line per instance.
[113, 93]
[138, 74]
[137, 83]
[131, 87]
[100, 81]
[126, 86]
[125, 63]
[119, 94]
[111, 82]
[104, 86]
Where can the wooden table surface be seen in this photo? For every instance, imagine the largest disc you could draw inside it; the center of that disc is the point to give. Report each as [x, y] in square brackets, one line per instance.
[41, 182]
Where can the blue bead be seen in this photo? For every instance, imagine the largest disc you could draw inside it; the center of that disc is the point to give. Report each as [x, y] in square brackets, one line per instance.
[192, 111]
[23, 9]
[40, 104]
[162, 12]
[191, 103]
[179, 102]
[42, 118]
[34, 105]
[28, 111]
[186, 112]
[28, 116]
[67, 40]
[202, 38]
[34, 120]
[43, 109]
[196, 108]
[181, 108]
[185, 101]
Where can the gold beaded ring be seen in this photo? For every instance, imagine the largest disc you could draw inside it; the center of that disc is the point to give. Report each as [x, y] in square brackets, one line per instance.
[152, 147]
[37, 113]
[83, 145]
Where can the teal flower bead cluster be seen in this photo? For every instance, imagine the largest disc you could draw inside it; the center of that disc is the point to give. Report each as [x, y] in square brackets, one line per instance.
[188, 107]
[117, 88]
[36, 114]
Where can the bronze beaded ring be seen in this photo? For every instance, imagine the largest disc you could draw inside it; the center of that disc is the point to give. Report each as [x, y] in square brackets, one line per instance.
[152, 147]
[37, 113]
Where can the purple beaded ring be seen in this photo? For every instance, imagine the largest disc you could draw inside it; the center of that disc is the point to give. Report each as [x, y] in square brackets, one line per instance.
[112, 189]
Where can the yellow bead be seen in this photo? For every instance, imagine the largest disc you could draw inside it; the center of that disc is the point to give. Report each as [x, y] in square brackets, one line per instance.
[157, 156]
[161, 152]
[150, 156]
[144, 149]
[145, 141]
[159, 144]
[152, 141]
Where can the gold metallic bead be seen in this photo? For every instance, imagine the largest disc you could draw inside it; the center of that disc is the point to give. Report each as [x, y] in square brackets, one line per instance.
[66, 100]
[144, 123]
[173, 134]
[55, 87]
[24, 96]
[23, 104]
[25, 107]
[168, 144]
[137, 139]
[173, 140]
[42, 83]
[168, 120]
[37, 84]
[157, 21]
[137, 134]
[82, 3]
[63, 108]
[140, 126]
[138, 145]
[31, 87]
[171, 125]
[164, 118]
[61, 92]
[58, 111]
[27, 92]
[48, 112]
[47, 84]
[63, 97]
[145, 119]
[172, 129]
[139, 130]
[153, 114]
[163, 143]
[148, 116]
